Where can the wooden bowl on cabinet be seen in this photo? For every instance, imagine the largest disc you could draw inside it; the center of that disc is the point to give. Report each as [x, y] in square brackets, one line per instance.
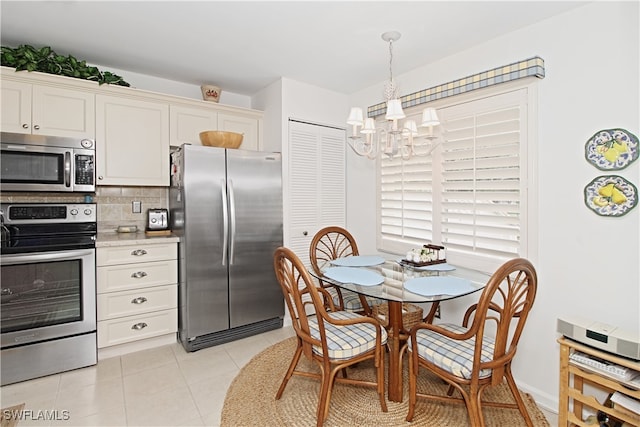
[219, 138]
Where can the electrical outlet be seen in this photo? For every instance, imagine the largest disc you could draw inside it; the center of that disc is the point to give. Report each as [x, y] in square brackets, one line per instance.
[136, 207]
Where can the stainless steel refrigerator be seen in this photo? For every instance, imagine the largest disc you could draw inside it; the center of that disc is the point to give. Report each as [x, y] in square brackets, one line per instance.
[226, 207]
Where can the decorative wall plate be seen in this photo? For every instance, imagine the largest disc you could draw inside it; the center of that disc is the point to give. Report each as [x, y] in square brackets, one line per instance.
[610, 195]
[612, 149]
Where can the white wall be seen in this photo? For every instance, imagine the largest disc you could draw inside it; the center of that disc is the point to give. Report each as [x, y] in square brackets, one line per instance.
[306, 102]
[269, 100]
[587, 265]
[172, 87]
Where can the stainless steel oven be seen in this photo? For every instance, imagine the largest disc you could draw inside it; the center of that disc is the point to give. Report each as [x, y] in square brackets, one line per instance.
[46, 163]
[48, 289]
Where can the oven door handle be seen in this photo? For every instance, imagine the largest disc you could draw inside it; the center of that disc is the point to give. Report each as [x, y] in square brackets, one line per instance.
[44, 256]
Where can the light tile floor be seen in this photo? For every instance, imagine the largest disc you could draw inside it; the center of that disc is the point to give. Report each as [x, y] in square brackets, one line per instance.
[165, 386]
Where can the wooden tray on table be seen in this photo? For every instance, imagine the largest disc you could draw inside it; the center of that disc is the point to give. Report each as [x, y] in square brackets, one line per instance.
[434, 248]
[422, 264]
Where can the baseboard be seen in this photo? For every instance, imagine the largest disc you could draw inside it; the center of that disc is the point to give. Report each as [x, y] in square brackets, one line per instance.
[546, 401]
[119, 350]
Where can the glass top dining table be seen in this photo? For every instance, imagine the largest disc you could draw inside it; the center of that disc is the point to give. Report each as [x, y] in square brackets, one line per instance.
[399, 283]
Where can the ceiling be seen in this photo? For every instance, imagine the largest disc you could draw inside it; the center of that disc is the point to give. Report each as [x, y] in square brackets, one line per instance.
[244, 46]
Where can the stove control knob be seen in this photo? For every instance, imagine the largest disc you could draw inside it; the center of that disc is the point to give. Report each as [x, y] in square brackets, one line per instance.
[87, 211]
[74, 212]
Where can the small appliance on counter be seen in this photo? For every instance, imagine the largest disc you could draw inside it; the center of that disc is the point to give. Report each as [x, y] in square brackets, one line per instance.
[157, 222]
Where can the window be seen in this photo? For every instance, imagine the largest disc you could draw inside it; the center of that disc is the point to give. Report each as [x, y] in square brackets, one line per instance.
[471, 194]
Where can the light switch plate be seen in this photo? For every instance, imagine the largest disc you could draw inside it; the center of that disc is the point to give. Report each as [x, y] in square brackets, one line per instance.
[136, 207]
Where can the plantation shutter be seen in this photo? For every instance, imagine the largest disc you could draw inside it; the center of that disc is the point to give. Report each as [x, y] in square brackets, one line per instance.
[406, 201]
[469, 195]
[482, 171]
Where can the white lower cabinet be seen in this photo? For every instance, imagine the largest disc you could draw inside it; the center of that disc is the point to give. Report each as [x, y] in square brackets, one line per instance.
[135, 328]
[115, 305]
[137, 299]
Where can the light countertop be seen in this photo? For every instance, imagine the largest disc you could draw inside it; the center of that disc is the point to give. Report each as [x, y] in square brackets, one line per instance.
[110, 239]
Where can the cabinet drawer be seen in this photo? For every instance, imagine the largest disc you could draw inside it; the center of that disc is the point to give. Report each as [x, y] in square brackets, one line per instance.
[133, 276]
[134, 328]
[129, 303]
[136, 253]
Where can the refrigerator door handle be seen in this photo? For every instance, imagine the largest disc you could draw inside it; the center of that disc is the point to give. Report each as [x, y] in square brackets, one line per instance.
[232, 221]
[225, 222]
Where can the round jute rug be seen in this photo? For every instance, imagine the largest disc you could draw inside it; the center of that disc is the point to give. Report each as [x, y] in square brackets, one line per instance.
[250, 400]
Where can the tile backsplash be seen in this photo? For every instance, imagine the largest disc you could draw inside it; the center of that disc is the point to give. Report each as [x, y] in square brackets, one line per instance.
[115, 204]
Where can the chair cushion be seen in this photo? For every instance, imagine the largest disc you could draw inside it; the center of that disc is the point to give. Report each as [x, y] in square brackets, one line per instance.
[345, 342]
[351, 299]
[453, 356]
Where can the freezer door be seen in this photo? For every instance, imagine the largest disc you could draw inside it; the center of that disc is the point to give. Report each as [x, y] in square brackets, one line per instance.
[205, 293]
[254, 181]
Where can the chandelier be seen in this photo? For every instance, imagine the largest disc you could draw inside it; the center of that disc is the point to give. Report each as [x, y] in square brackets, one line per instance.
[366, 140]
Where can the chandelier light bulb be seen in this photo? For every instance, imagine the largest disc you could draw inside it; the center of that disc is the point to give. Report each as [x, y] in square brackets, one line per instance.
[369, 126]
[355, 117]
[394, 110]
[429, 117]
[410, 128]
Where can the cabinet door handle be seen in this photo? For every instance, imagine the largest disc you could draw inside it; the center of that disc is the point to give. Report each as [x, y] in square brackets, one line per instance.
[139, 252]
[100, 177]
[37, 127]
[139, 326]
[139, 300]
[25, 126]
[138, 274]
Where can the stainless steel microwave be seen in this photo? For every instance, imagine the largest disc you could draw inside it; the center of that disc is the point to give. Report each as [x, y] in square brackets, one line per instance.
[47, 163]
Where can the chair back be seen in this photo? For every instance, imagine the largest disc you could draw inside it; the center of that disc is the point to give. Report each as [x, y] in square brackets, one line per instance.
[299, 291]
[503, 309]
[331, 243]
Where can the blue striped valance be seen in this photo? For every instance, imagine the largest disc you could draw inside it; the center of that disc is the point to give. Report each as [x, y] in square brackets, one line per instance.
[518, 70]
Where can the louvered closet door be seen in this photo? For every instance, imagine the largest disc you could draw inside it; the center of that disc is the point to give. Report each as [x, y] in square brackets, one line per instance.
[316, 183]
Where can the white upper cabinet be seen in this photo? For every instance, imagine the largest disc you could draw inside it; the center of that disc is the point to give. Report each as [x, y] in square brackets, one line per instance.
[248, 126]
[186, 123]
[45, 110]
[133, 129]
[132, 141]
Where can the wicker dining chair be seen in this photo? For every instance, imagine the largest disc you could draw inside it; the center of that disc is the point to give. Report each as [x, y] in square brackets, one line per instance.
[333, 339]
[478, 354]
[329, 244]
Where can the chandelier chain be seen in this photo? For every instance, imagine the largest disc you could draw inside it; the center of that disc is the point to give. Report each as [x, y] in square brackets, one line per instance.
[390, 88]
[390, 60]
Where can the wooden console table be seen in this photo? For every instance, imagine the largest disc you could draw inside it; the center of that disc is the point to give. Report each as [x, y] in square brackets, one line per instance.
[573, 391]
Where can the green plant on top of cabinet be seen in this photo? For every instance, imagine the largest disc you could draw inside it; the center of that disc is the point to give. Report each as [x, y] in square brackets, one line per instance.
[46, 110]
[46, 60]
[133, 141]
